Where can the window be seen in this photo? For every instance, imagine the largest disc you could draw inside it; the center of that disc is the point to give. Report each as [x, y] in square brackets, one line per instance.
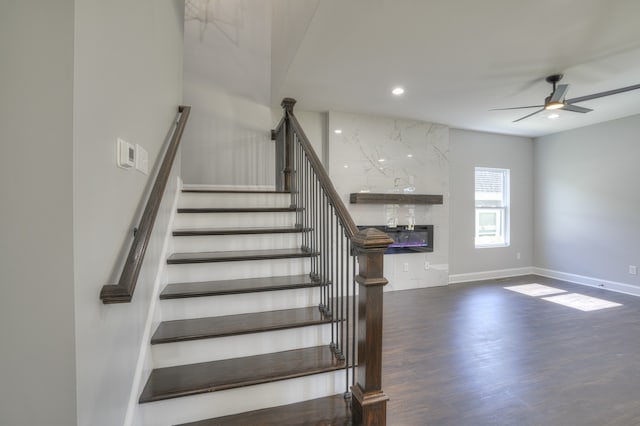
[492, 207]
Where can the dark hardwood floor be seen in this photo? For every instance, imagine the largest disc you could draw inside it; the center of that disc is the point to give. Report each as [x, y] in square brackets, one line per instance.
[476, 354]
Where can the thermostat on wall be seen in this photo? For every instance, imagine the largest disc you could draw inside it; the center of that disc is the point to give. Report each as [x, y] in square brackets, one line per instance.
[126, 154]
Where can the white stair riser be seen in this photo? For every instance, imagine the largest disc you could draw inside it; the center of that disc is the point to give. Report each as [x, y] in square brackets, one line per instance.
[192, 244]
[233, 220]
[215, 271]
[232, 304]
[194, 351]
[199, 200]
[238, 400]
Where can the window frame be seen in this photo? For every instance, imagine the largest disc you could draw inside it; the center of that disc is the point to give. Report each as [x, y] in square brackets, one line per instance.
[503, 222]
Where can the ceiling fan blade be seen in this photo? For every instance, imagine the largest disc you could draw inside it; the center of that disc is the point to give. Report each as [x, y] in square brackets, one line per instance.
[603, 94]
[575, 108]
[527, 116]
[522, 107]
[558, 94]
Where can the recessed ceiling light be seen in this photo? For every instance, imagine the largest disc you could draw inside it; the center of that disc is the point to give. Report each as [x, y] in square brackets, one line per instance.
[346, 166]
[553, 116]
[398, 91]
[381, 160]
[337, 131]
[409, 155]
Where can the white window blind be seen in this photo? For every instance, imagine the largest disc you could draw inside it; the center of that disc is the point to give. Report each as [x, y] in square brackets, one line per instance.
[491, 207]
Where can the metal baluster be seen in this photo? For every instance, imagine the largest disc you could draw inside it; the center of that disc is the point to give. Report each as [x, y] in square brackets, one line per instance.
[355, 316]
[299, 203]
[294, 173]
[321, 241]
[347, 394]
[329, 253]
[340, 237]
[334, 286]
[339, 292]
[307, 210]
[325, 255]
[314, 224]
[314, 232]
[293, 170]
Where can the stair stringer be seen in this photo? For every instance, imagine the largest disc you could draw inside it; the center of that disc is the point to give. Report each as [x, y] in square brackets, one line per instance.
[144, 363]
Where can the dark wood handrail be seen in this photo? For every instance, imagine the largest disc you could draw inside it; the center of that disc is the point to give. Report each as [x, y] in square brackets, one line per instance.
[341, 210]
[123, 291]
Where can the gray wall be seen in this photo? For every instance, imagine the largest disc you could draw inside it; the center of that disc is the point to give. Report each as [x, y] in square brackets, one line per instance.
[128, 83]
[470, 149]
[37, 349]
[587, 201]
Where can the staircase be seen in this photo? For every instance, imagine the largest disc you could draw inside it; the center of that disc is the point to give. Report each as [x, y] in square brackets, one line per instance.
[240, 325]
[274, 300]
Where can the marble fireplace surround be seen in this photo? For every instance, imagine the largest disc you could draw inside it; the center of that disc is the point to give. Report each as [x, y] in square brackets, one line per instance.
[388, 155]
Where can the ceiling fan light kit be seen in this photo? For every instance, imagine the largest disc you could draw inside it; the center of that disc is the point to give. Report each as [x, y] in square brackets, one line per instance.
[556, 100]
[554, 105]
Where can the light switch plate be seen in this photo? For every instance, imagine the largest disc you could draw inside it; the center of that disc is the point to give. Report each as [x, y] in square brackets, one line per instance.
[126, 154]
[142, 160]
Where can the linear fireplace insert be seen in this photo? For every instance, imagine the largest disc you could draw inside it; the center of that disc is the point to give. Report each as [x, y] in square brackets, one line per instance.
[405, 240]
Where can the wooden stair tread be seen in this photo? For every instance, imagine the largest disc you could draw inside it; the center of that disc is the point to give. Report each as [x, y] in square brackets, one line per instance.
[202, 328]
[193, 379]
[236, 191]
[237, 255]
[237, 286]
[238, 231]
[328, 411]
[237, 209]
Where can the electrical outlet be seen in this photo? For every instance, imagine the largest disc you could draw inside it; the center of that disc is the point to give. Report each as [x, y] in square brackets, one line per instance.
[405, 267]
[518, 255]
[427, 266]
[633, 269]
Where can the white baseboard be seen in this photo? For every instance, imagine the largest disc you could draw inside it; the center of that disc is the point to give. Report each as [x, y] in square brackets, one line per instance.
[144, 355]
[564, 276]
[489, 275]
[210, 187]
[589, 281]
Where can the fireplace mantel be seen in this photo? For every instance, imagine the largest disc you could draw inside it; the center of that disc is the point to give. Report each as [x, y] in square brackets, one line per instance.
[390, 198]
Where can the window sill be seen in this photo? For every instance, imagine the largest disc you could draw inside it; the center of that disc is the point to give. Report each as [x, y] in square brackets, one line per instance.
[497, 245]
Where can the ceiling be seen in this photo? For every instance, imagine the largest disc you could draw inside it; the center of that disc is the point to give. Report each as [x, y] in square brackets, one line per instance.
[457, 59]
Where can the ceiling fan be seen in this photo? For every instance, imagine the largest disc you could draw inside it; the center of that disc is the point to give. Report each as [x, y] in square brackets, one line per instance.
[556, 100]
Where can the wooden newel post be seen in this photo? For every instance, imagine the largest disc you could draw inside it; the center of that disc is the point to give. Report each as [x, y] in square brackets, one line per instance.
[369, 403]
[287, 104]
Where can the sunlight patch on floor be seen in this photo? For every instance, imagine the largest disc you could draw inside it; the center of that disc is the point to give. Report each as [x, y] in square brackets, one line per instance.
[535, 290]
[581, 302]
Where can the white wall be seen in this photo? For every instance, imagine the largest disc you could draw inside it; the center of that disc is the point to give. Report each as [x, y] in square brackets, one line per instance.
[37, 349]
[290, 20]
[470, 149]
[587, 201]
[315, 127]
[227, 77]
[128, 83]
[366, 139]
